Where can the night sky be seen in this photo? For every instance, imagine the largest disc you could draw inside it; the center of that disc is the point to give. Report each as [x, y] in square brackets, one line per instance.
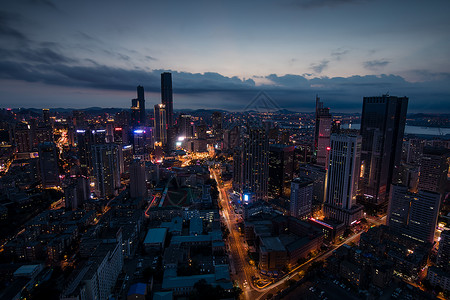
[77, 54]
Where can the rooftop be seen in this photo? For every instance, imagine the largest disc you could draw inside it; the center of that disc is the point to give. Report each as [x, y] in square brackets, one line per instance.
[155, 236]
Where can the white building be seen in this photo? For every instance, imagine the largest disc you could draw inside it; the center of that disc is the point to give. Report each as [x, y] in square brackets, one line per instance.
[342, 179]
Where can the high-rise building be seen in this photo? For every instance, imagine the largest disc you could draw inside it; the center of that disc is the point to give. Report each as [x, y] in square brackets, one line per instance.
[231, 138]
[98, 136]
[167, 97]
[318, 176]
[76, 192]
[185, 126]
[281, 170]
[46, 116]
[382, 127]
[322, 133]
[140, 142]
[201, 131]
[342, 179]
[84, 143]
[126, 157]
[434, 169]
[48, 162]
[301, 197]
[443, 257]
[414, 215]
[138, 187]
[160, 124]
[138, 108]
[23, 138]
[251, 167]
[105, 158]
[414, 150]
[217, 121]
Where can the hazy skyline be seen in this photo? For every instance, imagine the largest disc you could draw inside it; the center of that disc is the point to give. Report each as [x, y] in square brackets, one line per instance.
[85, 53]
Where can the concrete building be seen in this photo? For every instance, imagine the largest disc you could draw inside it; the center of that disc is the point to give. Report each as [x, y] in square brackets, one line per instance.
[105, 159]
[301, 197]
[48, 163]
[138, 186]
[413, 215]
[342, 179]
[155, 239]
[251, 168]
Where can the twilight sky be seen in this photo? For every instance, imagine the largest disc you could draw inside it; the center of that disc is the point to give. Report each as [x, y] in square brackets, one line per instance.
[222, 53]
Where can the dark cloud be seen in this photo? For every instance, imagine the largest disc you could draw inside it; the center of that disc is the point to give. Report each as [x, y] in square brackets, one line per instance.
[44, 63]
[309, 4]
[319, 67]
[339, 53]
[37, 55]
[430, 76]
[150, 57]
[375, 64]
[7, 31]
[45, 3]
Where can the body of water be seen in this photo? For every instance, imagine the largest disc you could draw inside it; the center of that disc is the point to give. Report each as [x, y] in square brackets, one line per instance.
[435, 131]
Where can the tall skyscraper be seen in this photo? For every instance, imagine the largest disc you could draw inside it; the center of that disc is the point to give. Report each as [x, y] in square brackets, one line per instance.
[23, 137]
[301, 197]
[46, 116]
[342, 179]
[160, 124]
[138, 108]
[217, 121]
[231, 138]
[105, 158]
[414, 215]
[185, 126]
[84, 142]
[382, 127]
[48, 162]
[434, 169]
[138, 187]
[322, 133]
[281, 170]
[167, 97]
[251, 168]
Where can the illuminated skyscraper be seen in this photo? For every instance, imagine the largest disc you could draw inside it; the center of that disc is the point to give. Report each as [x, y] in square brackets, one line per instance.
[342, 179]
[414, 215]
[105, 160]
[301, 197]
[46, 116]
[217, 121]
[382, 127]
[167, 97]
[251, 166]
[185, 126]
[281, 169]
[160, 124]
[322, 133]
[434, 166]
[138, 108]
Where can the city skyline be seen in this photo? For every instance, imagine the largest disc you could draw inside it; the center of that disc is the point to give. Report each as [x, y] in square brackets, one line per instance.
[225, 53]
